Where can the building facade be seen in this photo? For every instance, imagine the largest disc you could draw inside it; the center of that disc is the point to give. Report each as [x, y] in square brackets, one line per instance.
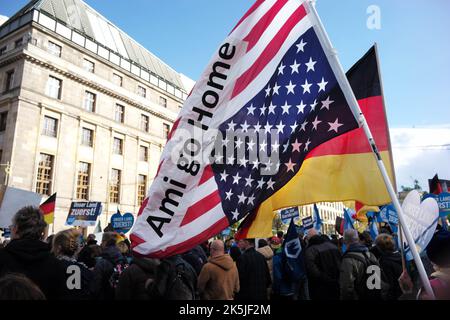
[84, 109]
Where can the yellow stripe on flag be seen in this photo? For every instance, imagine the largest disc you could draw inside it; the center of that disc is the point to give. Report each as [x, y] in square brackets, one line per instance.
[49, 218]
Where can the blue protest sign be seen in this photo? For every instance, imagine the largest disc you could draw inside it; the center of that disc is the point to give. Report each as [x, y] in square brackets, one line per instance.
[388, 214]
[122, 223]
[288, 214]
[84, 214]
[443, 201]
[307, 223]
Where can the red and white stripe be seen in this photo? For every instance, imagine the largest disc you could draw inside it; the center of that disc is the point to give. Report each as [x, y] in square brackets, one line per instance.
[262, 37]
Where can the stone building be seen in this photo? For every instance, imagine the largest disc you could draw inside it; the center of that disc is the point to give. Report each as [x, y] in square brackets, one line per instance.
[84, 109]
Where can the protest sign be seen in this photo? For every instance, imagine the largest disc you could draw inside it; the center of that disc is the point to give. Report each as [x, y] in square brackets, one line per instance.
[388, 214]
[83, 214]
[14, 200]
[288, 214]
[307, 223]
[443, 201]
[421, 219]
[122, 223]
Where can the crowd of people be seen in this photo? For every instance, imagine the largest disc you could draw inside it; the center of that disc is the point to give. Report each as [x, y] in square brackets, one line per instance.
[66, 266]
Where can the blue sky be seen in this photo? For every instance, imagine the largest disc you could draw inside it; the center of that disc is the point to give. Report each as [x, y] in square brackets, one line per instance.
[413, 42]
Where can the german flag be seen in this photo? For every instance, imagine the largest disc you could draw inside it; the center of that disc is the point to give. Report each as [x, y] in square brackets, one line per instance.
[48, 209]
[344, 168]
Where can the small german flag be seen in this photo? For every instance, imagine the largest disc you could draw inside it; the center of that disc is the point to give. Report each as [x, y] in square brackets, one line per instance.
[48, 209]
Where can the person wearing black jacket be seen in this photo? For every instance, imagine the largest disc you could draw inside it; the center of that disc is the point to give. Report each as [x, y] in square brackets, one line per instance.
[391, 264]
[27, 254]
[322, 260]
[254, 275]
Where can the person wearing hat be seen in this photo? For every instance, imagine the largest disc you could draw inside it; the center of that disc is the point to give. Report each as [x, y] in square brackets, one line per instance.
[275, 243]
[438, 252]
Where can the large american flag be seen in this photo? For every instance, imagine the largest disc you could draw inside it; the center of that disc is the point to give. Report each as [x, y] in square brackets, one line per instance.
[280, 95]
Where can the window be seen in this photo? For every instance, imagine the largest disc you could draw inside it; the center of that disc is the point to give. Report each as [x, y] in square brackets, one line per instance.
[84, 170]
[88, 65]
[9, 80]
[2, 50]
[117, 80]
[143, 153]
[3, 118]
[44, 174]
[118, 146]
[50, 127]
[120, 112]
[142, 91]
[87, 137]
[89, 101]
[54, 87]
[163, 102]
[144, 123]
[54, 49]
[18, 43]
[114, 186]
[142, 188]
[166, 130]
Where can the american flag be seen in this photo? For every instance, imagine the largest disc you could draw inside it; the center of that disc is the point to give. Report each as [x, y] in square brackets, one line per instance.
[280, 99]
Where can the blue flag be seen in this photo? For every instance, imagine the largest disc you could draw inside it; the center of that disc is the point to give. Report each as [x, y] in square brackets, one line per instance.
[373, 229]
[291, 253]
[348, 221]
[317, 220]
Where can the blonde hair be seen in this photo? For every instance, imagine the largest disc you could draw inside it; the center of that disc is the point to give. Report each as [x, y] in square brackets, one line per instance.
[123, 248]
[65, 243]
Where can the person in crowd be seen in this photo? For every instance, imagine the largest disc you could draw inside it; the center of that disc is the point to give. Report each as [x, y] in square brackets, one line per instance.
[322, 261]
[254, 275]
[235, 253]
[196, 257]
[125, 251]
[219, 278]
[89, 254]
[49, 241]
[354, 267]
[65, 246]
[108, 268]
[133, 281]
[175, 280]
[19, 287]
[27, 254]
[391, 263]
[438, 251]
[228, 244]
[280, 236]
[91, 240]
[366, 239]
[267, 252]
[275, 243]
[282, 287]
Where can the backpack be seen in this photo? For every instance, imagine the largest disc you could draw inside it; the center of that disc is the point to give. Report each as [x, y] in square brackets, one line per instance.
[181, 280]
[117, 271]
[361, 287]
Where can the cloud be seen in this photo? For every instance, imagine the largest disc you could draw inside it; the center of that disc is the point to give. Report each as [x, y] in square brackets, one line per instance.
[420, 153]
[3, 19]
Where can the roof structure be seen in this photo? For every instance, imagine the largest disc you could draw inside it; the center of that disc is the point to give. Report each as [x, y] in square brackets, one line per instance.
[83, 20]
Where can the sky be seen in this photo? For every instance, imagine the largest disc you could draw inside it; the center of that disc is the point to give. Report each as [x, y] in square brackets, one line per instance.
[412, 41]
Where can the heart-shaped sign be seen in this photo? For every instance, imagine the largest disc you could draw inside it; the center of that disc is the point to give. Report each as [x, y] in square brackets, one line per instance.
[421, 220]
[122, 223]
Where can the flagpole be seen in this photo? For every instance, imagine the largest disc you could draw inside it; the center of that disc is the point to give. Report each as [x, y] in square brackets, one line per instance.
[359, 116]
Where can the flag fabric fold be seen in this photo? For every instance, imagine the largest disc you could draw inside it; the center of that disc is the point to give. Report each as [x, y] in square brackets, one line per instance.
[317, 219]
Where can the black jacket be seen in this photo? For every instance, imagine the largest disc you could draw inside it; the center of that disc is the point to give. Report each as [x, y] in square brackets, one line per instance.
[33, 259]
[322, 260]
[196, 258]
[103, 271]
[132, 281]
[254, 276]
[86, 290]
[391, 264]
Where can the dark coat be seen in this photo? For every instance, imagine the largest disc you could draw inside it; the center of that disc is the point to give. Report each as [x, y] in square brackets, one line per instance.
[103, 271]
[254, 276]
[86, 290]
[391, 264]
[196, 258]
[322, 260]
[132, 281]
[33, 259]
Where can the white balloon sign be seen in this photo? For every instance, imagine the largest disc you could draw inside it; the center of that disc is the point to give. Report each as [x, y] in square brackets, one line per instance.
[421, 219]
